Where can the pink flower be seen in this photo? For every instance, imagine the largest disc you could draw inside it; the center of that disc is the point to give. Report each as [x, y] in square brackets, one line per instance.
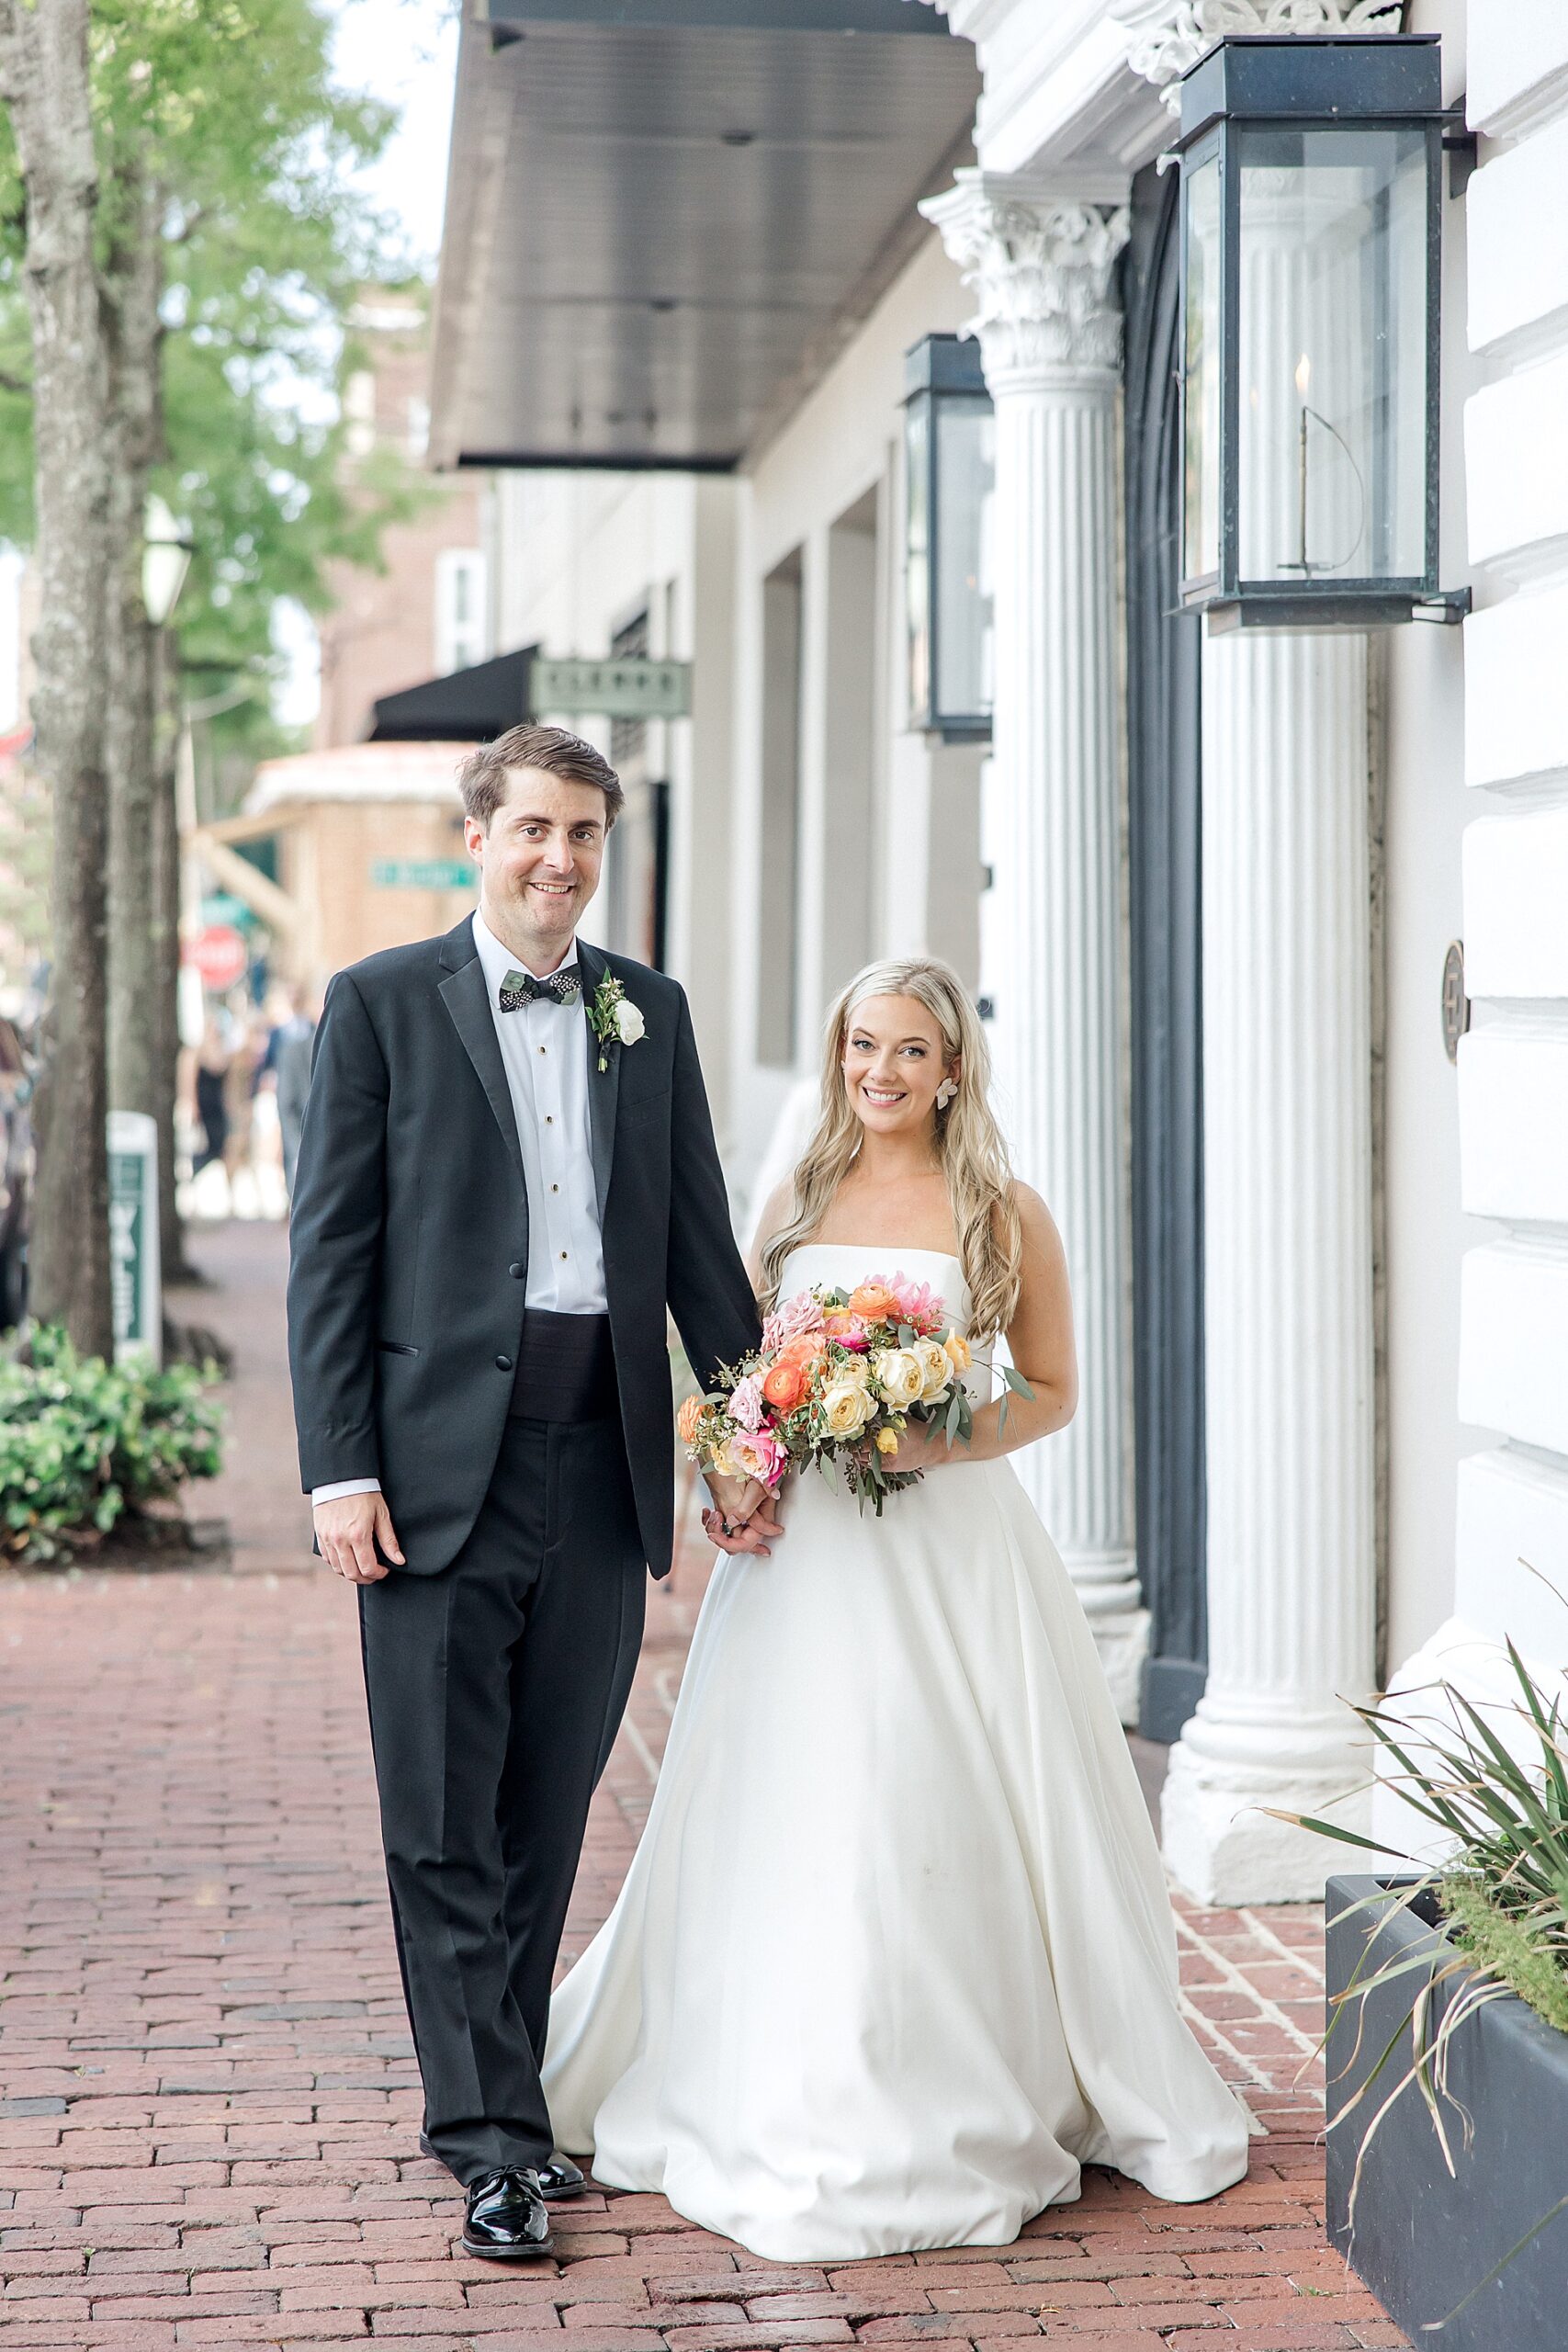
[801, 1313]
[745, 1407]
[919, 1306]
[759, 1455]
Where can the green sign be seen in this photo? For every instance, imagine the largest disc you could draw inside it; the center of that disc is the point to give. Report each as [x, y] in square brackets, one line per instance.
[223, 907]
[134, 1284]
[422, 874]
[627, 685]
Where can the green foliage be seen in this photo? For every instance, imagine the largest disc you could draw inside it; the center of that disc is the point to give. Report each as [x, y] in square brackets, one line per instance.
[81, 1441]
[1508, 1947]
[228, 109]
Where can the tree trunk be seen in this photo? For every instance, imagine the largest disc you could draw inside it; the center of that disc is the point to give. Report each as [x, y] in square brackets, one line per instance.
[44, 84]
[131, 286]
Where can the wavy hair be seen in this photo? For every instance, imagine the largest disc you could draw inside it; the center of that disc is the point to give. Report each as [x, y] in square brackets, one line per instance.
[969, 1145]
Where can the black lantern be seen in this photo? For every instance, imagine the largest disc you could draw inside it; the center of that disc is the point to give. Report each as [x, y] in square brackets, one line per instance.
[1311, 201]
[949, 469]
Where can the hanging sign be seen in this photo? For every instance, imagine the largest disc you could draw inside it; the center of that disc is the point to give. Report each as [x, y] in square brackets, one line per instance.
[625, 685]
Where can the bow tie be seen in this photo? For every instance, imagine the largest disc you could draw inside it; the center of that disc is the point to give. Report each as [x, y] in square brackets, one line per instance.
[521, 988]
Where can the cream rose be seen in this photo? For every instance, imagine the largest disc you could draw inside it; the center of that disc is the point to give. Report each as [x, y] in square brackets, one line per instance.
[958, 1351]
[629, 1023]
[846, 1408]
[899, 1376]
[936, 1368]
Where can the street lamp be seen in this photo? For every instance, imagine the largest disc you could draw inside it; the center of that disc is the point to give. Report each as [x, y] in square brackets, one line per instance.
[1311, 203]
[949, 445]
[167, 548]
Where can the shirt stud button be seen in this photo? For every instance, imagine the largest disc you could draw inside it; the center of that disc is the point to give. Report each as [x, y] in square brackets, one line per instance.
[503, 1364]
[563, 1253]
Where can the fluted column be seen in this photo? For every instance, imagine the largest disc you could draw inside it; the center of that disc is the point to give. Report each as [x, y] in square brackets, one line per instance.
[1287, 1146]
[1050, 334]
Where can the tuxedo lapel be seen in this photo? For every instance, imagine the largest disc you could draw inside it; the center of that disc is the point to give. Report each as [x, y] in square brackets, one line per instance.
[464, 996]
[603, 1085]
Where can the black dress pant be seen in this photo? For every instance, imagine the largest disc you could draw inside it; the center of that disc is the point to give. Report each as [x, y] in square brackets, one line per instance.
[496, 1689]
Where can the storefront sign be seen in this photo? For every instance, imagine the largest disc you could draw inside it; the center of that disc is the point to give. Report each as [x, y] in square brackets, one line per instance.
[135, 1288]
[422, 874]
[627, 685]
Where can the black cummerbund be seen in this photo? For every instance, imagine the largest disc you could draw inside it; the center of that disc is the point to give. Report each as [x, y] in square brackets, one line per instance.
[566, 1368]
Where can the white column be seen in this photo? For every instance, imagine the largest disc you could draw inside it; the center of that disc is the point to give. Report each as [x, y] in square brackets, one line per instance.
[1288, 1242]
[1286, 1166]
[1050, 334]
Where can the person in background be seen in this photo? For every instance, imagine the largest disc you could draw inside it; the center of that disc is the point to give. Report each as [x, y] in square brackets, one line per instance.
[293, 1043]
[212, 1061]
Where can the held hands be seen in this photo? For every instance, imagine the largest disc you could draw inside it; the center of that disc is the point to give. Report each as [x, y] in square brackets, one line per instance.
[348, 1530]
[744, 1515]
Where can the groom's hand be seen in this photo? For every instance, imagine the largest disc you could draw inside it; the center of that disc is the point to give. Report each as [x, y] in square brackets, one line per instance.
[348, 1530]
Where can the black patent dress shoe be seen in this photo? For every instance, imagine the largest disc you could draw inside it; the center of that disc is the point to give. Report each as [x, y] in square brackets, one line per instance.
[505, 2219]
[559, 2179]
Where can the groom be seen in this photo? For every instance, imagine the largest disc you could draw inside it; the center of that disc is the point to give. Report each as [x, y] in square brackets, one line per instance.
[507, 1174]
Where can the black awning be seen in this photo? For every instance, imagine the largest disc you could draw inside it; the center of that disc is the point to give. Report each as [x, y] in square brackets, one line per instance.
[466, 706]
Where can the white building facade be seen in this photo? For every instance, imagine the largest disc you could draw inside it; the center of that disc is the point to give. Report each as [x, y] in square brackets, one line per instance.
[1204, 887]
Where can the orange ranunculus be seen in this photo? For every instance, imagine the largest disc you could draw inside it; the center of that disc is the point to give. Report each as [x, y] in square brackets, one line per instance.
[688, 1417]
[875, 1301]
[805, 1348]
[785, 1384]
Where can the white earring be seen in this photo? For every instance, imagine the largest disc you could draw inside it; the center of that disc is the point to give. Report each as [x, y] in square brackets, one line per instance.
[945, 1093]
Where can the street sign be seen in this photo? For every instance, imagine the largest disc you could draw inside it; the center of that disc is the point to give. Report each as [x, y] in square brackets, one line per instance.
[218, 954]
[627, 685]
[135, 1290]
[222, 906]
[423, 874]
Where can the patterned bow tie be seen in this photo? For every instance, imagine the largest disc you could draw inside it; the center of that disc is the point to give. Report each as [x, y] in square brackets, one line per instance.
[521, 988]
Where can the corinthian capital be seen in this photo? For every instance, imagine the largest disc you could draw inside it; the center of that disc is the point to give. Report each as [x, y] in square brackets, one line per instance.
[1041, 267]
[1168, 36]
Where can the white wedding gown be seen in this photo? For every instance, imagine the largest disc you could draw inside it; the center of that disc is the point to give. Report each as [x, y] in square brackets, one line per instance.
[895, 1956]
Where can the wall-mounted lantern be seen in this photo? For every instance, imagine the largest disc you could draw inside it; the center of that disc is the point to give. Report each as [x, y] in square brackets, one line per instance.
[950, 468]
[1311, 204]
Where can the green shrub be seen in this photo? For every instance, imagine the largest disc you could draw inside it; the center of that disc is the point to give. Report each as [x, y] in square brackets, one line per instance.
[83, 1442]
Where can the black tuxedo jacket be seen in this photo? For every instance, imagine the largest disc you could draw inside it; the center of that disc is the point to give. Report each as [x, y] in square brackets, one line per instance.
[410, 1239]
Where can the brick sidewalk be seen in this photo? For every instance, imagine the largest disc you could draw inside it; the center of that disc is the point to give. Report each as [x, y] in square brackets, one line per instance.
[208, 2101]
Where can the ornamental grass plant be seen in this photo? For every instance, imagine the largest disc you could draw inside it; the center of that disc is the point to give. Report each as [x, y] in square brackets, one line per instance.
[1492, 1780]
[83, 1443]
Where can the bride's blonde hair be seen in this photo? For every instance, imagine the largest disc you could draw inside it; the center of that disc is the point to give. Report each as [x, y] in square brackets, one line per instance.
[968, 1141]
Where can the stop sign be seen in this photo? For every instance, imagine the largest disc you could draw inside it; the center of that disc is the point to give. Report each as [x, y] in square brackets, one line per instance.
[219, 955]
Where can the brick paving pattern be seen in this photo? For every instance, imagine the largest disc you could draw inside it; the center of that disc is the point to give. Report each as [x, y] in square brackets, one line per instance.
[207, 2099]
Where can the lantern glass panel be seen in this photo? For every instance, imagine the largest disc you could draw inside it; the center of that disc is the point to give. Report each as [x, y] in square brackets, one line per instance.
[1201, 373]
[917, 553]
[1332, 299]
[966, 468]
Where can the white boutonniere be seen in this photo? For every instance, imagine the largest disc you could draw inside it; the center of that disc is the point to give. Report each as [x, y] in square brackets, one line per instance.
[614, 1017]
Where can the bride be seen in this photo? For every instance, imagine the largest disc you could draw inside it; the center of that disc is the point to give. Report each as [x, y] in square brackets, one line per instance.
[894, 1957]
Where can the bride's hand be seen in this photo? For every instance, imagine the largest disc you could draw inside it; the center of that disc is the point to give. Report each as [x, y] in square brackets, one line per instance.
[743, 1516]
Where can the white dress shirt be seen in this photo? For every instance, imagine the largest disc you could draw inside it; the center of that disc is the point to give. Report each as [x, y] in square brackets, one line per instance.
[544, 1051]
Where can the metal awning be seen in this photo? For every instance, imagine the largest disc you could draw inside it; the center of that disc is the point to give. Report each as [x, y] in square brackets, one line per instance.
[663, 216]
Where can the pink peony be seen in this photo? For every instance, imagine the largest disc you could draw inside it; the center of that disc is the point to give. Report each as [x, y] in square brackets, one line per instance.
[745, 1407]
[801, 1313]
[919, 1306]
[760, 1456]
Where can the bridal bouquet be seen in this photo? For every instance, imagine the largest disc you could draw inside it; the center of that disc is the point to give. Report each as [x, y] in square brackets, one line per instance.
[837, 1379]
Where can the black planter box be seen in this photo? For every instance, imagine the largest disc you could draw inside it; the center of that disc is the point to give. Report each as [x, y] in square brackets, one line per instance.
[1423, 2241]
